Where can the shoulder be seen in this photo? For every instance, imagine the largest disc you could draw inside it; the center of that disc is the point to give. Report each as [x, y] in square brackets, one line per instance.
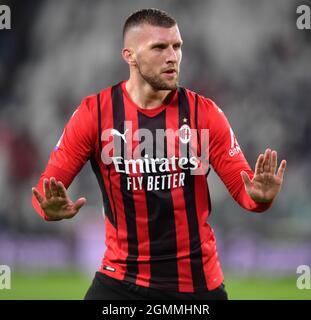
[209, 115]
[90, 103]
[205, 104]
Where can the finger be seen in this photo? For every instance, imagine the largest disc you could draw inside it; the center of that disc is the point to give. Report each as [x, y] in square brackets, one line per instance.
[267, 160]
[281, 169]
[46, 189]
[274, 160]
[247, 181]
[259, 163]
[37, 195]
[79, 203]
[54, 189]
[61, 189]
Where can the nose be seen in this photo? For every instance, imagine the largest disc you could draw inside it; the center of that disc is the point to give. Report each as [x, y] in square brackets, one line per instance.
[171, 55]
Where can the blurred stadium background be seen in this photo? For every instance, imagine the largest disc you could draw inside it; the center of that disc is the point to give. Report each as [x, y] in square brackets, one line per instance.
[248, 56]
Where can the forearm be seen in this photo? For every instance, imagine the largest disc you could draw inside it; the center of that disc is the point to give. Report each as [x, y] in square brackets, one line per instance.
[237, 190]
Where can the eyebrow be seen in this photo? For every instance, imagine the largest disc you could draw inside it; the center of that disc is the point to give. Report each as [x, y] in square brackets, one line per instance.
[164, 43]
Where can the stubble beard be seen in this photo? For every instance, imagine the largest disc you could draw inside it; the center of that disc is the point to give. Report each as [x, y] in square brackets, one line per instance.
[157, 83]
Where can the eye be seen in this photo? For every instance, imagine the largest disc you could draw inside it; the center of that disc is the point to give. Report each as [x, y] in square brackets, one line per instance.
[159, 46]
[177, 46]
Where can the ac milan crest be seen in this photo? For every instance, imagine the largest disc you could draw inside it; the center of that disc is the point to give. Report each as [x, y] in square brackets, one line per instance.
[184, 133]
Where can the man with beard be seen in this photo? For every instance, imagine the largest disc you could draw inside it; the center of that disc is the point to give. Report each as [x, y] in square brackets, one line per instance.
[159, 244]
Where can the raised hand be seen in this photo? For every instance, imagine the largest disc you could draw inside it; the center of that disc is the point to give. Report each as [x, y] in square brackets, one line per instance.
[55, 202]
[266, 182]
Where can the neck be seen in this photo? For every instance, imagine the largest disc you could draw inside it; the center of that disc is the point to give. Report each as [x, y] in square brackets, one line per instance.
[144, 95]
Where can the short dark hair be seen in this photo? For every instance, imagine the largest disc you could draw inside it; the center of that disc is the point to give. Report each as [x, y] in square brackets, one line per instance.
[152, 16]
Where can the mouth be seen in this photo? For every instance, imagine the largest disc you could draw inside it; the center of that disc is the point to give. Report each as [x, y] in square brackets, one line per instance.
[170, 72]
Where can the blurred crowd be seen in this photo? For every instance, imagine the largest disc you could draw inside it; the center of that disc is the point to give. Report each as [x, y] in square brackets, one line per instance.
[248, 56]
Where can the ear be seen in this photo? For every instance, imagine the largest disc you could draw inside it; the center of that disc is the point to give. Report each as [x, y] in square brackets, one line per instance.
[128, 55]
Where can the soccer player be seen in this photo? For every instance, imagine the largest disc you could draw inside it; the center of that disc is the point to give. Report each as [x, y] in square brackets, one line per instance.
[155, 195]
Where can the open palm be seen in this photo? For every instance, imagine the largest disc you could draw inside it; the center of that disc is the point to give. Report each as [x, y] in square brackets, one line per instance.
[56, 202]
[266, 182]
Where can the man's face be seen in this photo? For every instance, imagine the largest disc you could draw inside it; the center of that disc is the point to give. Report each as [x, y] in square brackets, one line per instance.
[157, 54]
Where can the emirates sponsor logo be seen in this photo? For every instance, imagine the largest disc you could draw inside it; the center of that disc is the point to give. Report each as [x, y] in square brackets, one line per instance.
[155, 160]
[159, 151]
[154, 165]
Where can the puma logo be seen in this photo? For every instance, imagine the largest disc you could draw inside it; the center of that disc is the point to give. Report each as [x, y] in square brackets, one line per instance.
[115, 132]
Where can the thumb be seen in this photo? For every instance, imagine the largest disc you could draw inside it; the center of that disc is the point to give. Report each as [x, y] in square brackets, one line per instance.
[79, 203]
[247, 181]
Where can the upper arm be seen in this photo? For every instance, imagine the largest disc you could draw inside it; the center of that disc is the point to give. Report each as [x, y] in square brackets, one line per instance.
[78, 139]
[225, 154]
[73, 149]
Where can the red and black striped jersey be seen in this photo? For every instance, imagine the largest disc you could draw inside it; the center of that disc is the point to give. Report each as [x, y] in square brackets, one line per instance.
[156, 207]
